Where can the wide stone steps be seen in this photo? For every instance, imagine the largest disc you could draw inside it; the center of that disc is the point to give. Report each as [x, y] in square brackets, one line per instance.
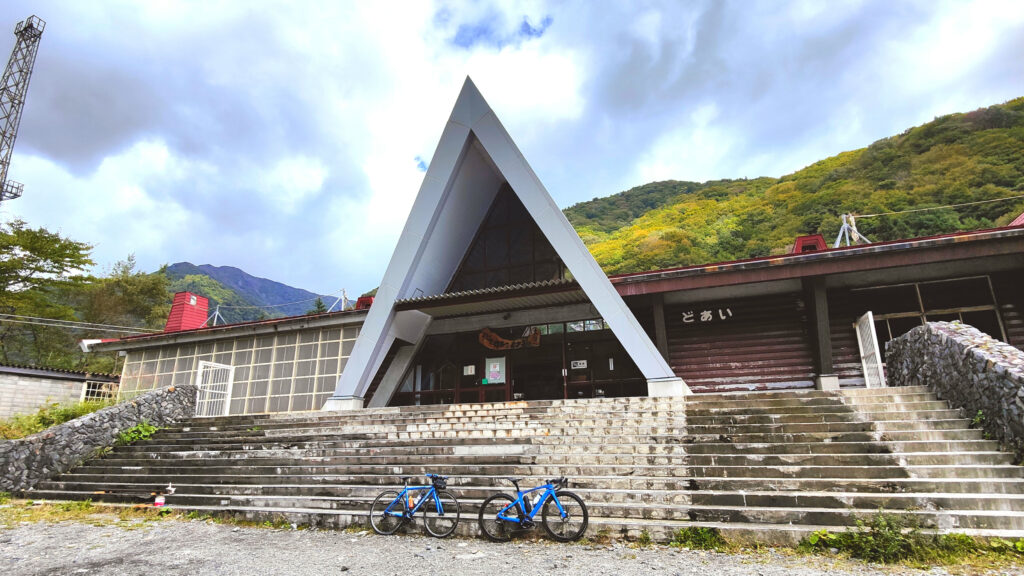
[771, 466]
[509, 456]
[176, 473]
[676, 503]
[318, 450]
[259, 483]
[654, 442]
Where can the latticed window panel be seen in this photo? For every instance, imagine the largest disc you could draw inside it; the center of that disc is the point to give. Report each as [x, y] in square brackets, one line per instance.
[288, 372]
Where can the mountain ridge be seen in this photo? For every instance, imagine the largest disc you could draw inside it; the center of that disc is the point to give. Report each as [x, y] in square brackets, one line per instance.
[954, 159]
[254, 297]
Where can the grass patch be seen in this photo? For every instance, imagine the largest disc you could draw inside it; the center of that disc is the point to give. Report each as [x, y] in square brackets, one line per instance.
[23, 425]
[5, 497]
[897, 539]
[699, 538]
[141, 431]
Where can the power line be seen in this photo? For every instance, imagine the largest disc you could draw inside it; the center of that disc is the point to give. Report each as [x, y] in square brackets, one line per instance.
[73, 324]
[67, 327]
[280, 305]
[941, 207]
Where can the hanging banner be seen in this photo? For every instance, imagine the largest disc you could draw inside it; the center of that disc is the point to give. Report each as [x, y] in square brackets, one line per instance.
[493, 341]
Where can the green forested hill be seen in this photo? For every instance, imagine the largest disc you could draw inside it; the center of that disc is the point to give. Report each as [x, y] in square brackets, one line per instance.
[952, 160]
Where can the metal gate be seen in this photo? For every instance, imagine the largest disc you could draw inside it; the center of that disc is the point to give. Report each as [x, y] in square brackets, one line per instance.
[213, 397]
[870, 356]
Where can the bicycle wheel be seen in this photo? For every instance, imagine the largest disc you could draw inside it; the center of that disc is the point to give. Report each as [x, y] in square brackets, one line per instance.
[441, 514]
[388, 501]
[569, 527]
[494, 529]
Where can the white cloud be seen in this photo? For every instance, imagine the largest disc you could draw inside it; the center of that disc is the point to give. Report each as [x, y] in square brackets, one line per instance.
[283, 139]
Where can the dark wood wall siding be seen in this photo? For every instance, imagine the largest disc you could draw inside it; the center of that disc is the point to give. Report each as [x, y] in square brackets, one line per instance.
[765, 344]
[845, 351]
[1009, 292]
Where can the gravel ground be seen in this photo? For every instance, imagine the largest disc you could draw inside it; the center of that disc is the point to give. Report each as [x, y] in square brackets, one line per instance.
[196, 547]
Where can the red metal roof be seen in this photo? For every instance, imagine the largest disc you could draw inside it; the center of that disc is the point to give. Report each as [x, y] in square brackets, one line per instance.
[1018, 221]
[780, 258]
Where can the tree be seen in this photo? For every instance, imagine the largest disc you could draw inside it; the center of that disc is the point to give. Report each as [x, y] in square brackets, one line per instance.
[38, 268]
[126, 297]
[37, 259]
[318, 307]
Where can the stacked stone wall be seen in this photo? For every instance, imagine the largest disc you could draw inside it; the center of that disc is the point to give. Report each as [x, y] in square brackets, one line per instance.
[27, 461]
[968, 368]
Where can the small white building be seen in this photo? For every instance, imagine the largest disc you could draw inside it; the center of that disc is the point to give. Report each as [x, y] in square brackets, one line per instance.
[25, 389]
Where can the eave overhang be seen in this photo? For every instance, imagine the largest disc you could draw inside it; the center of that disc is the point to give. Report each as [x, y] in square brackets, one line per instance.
[936, 249]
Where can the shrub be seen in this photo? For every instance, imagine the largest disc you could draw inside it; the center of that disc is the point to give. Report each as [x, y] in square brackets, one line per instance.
[141, 431]
[698, 538]
[51, 415]
[888, 538]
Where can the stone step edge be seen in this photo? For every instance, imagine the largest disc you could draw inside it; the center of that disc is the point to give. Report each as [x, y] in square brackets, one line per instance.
[746, 445]
[418, 460]
[694, 398]
[474, 502]
[377, 488]
[878, 407]
[398, 442]
[749, 533]
[904, 406]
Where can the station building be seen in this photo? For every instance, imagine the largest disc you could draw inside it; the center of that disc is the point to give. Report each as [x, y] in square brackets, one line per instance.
[491, 296]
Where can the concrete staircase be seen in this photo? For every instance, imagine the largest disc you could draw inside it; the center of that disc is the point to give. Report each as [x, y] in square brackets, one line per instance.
[766, 467]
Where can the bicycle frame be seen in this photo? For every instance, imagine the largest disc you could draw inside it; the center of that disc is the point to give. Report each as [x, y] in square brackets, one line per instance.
[549, 492]
[431, 492]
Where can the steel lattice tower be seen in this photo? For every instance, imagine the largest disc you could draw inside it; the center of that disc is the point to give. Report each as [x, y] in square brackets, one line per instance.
[13, 88]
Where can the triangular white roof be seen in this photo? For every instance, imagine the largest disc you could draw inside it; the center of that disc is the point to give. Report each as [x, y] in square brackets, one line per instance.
[474, 158]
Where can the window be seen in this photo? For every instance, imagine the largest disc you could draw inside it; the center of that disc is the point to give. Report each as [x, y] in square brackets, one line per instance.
[509, 249]
[99, 390]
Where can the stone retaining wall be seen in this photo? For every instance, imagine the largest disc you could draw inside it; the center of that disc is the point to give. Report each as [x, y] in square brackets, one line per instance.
[968, 368]
[28, 461]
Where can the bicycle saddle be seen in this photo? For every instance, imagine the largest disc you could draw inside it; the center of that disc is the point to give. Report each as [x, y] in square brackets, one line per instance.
[405, 479]
[514, 480]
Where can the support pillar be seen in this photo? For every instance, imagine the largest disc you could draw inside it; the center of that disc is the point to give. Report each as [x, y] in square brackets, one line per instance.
[660, 332]
[661, 387]
[816, 297]
[338, 403]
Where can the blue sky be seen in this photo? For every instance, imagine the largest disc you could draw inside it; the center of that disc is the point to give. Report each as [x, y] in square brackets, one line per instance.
[290, 139]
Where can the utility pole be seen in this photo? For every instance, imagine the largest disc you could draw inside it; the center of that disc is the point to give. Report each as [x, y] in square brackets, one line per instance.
[13, 88]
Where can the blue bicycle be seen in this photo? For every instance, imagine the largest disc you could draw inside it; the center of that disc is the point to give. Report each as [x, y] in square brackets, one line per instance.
[563, 513]
[392, 508]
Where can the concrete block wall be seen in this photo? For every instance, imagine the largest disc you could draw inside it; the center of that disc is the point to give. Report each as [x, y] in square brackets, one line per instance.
[20, 394]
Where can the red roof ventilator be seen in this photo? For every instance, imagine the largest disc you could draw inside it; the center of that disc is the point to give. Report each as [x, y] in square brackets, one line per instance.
[188, 312]
[811, 243]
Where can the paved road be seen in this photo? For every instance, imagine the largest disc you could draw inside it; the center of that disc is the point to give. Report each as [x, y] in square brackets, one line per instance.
[172, 547]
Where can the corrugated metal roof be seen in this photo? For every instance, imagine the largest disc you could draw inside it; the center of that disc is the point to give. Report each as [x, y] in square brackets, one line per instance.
[1018, 221]
[497, 291]
[499, 299]
[57, 373]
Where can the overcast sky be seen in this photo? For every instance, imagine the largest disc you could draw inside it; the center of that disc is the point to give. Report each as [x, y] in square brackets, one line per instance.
[289, 138]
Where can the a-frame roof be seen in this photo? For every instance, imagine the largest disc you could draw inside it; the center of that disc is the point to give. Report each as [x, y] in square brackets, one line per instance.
[473, 160]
